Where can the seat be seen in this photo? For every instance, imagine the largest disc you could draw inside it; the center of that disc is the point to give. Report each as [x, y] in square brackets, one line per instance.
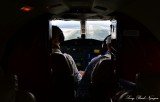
[147, 89]
[62, 79]
[24, 96]
[103, 81]
[9, 91]
[148, 84]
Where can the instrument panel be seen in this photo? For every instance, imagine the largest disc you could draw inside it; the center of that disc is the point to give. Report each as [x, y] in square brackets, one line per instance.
[82, 50]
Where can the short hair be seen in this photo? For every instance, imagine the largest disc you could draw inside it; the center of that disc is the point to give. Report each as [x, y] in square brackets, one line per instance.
[57, 32]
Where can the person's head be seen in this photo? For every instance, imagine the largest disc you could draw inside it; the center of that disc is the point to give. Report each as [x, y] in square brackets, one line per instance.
[106, 44]
[57, 36]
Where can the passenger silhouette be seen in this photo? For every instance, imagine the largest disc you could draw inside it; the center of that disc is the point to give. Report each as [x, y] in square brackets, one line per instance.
[84, 86]
[57, 38]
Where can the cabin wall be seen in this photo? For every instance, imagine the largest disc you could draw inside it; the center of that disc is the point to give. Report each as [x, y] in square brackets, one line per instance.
[26, 55]
[6, 32]
[11, 22]
[145, 12]
[139, 49]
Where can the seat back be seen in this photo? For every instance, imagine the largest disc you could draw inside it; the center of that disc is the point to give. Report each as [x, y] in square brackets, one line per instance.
[62, 79]
[147, 89]
[24, 96]
[102, 81]
[148, 84]
[9, 91]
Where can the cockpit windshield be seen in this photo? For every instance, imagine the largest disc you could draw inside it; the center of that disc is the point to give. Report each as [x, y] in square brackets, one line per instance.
[70, 28]
[95, 29]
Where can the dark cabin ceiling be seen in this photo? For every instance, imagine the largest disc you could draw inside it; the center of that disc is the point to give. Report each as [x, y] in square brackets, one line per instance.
[144, 11]
[10, 9]
[84, 8]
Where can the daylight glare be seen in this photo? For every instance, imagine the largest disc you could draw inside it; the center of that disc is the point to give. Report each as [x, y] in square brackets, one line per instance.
[94, 29]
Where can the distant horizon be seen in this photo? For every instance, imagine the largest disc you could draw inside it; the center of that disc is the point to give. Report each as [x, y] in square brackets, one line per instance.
[94, 29]
[73, 23]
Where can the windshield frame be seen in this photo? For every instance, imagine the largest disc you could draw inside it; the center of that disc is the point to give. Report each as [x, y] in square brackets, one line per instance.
[82, 30]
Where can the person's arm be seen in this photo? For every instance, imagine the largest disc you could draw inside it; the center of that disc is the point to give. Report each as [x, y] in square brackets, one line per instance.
[77, 75]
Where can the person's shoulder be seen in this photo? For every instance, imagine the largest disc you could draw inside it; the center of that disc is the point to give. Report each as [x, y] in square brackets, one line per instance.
[95, 58]
[68, 55]
[106, 56]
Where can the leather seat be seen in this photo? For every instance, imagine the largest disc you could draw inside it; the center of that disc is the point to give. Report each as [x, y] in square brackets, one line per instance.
[147, 89]
[24, 96]
[148, 84]
[62, 79]
[9, 91]
[103, 81]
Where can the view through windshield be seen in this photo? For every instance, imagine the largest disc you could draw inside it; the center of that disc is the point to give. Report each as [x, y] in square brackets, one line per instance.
[97, 29]
[94, 29]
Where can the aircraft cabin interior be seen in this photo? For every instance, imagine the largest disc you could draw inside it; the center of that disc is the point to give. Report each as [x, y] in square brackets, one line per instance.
[25, 49]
